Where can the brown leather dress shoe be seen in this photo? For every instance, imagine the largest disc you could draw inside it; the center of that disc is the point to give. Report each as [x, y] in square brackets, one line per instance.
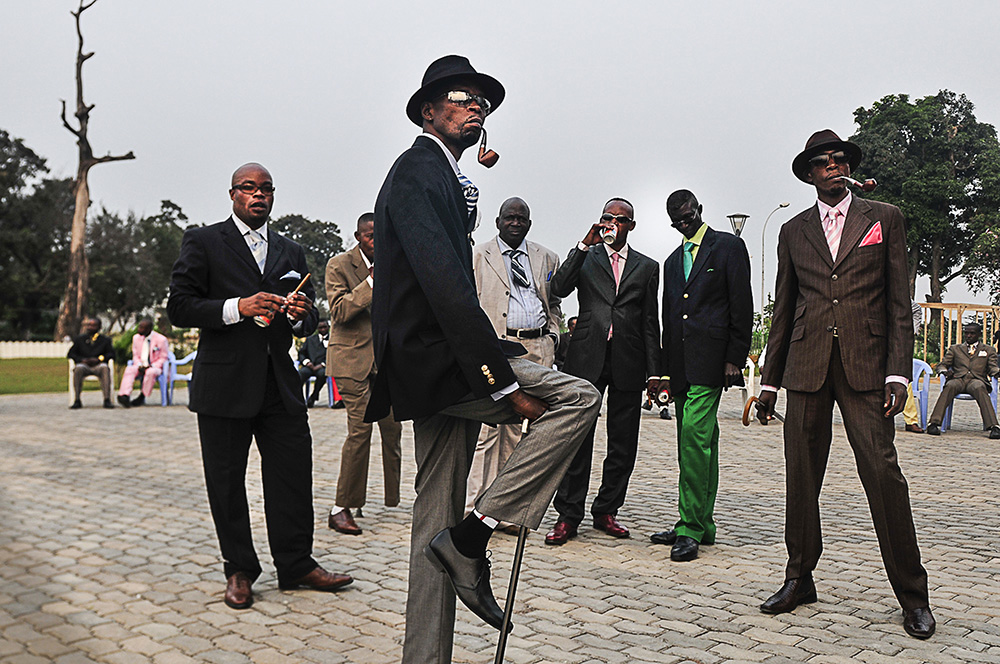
[238, 592]
[319, 579]
[790, 595]
[609, 524]
[914, 428]
[562, 532]
[919, 623]
[343, 522]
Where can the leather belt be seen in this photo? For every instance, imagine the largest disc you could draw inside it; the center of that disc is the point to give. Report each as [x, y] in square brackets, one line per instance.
[525, 333]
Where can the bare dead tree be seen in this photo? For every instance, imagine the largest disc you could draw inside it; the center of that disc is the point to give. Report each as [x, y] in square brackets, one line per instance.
[78, 275]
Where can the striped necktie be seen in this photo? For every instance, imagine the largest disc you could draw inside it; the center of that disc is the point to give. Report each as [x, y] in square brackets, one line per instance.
[258, 247]
[517, 271]
[470, 191]
[833, 229]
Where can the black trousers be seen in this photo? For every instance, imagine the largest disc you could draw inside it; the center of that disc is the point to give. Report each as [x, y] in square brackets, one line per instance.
[285, 447]
[808, 432]
[624, 408]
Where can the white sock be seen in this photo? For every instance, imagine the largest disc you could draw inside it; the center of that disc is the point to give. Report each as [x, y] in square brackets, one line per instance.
[336, 510]
[487, 521]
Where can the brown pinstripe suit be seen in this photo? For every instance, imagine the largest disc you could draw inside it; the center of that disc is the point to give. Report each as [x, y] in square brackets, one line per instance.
[839, 329]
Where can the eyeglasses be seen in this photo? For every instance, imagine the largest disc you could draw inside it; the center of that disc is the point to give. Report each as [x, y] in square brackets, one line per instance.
[465, 99]
[250, 188]
[822, 160]
[616, 218]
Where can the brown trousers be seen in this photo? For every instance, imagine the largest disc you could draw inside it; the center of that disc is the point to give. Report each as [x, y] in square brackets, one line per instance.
[352, 484]
[103, 373]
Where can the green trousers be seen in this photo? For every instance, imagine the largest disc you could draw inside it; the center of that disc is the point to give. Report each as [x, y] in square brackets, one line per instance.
[698, 458]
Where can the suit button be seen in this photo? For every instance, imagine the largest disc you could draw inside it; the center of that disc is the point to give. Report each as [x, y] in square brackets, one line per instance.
[504, 315]
[484, 368]
[491, 381]
[507, 293]
[685, 296]
[834, 277]
[503, 336]
[685, 316]
[829, 328]
[836, 302]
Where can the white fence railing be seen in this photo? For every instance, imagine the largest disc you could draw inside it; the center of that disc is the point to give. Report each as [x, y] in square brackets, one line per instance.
[10, 350]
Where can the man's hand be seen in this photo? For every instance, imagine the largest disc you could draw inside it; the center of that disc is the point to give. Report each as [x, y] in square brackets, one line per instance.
[261, 304]
[653, 389]
[526, 405]
[91, 361]
[732, 375]
[297, 306]
[307, 363]
[594, 234]
[895, 398]
[765, 405]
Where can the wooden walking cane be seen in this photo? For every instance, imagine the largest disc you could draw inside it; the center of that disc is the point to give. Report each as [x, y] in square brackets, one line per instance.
[515, 573]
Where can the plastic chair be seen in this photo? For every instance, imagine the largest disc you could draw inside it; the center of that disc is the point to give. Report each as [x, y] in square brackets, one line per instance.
[946, 422]
[161, 380]
[922, 393]
[72, 365]
[174, 376]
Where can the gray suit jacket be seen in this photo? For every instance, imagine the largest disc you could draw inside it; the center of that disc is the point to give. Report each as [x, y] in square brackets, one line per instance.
[493, 287]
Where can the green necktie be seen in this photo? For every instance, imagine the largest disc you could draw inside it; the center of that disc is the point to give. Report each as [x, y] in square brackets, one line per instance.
[688, 259]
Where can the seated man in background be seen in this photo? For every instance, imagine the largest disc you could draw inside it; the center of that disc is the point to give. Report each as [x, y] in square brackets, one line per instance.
[312, 360]
[150, 351]
[968, 366]
[91, 352]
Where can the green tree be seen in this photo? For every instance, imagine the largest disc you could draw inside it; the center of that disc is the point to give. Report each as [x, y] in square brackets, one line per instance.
[941, 166]
[321, 241]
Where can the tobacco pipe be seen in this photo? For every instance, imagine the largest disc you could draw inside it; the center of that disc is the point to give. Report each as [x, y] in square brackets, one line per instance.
[867, 185]
[487, 158]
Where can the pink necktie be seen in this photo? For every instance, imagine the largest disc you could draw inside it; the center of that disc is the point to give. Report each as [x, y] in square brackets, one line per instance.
[833, 228]
[615, 257]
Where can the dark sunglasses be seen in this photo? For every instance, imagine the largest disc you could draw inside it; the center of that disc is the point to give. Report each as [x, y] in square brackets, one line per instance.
[822, 160]
[250, 188]
[465, 99]
[616, 218]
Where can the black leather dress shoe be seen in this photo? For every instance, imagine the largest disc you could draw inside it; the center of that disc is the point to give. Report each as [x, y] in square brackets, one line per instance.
[995, 432]
[470, 577]
[790, 595]
[934, 429]
[124, 401]
[667, 537]
[919, 623]
[685, 549]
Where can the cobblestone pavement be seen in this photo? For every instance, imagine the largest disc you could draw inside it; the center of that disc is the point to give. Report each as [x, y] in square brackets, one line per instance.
[107, 554]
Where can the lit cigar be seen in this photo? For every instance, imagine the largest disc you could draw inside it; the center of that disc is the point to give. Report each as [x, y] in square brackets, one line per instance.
[263, 320]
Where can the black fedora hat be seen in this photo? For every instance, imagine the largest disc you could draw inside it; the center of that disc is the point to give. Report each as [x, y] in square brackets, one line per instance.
[822, 141]
[447, 70]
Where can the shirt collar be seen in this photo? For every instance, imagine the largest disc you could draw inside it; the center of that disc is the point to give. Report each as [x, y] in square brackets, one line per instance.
[244, 229]
[368, 263]
[842, 207]
[504, 247]
[699, 235]
[623, 252]
[447, 152]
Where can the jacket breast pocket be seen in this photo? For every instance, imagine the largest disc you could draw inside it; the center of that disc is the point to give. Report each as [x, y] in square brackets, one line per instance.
[877, 327]
[798, 332]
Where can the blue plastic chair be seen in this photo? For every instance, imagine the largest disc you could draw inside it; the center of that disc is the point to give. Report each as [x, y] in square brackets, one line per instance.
[922, 392]
[161, 380]
[946, 422]
[173, 363]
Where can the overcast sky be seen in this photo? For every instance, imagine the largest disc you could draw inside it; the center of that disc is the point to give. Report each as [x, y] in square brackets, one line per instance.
[632, 99]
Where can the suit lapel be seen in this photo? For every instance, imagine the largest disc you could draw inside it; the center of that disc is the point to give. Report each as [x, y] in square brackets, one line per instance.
[536, 259]
[275, 248]
[602, 258]
[855, 225]
[704, 251]
[495, 260]
[360, 270]
[234, 240]
[813, 230]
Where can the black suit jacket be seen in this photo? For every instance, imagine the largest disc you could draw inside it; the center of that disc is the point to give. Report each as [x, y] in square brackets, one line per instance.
[230, 371]
[434, 345]
[313, 350]
[633, 311]
[707, 319]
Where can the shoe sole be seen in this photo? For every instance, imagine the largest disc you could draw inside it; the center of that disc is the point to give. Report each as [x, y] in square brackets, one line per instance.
[558, 542]
[808, 599]
[439, 566]
[297, 586]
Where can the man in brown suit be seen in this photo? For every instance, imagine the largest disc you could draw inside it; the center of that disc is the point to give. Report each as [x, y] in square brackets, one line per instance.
[841, 332]
[969, 366]
[351, 361]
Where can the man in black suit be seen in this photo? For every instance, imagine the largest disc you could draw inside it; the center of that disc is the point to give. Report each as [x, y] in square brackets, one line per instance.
[615, 346]
[312, 360]
[230, 278]
[441, 364]
[707, 324]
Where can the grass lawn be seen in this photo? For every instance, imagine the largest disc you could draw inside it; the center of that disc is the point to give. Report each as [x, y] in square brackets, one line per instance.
[50, 374]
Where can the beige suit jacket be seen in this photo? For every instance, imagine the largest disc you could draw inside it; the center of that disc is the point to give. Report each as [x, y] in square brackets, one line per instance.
[350, 353]
[493, 283]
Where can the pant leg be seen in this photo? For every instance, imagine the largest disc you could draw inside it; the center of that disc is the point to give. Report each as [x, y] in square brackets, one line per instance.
[698, 461]
[80, 371]
[571, 496]
[442, 446]
[485, 465]
[977, 389]
[149, 380]
[128, 378]
[103, 372]
[320, 376]
[352, 483]
[951, 389]
[285, 446]
[624, 410]
[225, 443]
[390, 432]
[910, 413]
[871, 437]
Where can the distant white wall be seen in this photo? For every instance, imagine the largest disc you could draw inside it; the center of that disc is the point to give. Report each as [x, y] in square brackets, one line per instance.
[10, 350]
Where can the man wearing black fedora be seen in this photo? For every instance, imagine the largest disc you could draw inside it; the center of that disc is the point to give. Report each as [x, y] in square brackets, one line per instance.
[442, 366]
[842, 332]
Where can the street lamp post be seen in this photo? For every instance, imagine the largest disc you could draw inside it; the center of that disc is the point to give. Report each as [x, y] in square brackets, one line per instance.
[763, 231]
[738, 220]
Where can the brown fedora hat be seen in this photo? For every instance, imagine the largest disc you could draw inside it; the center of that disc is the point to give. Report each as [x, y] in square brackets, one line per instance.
[822, 141]
[447, 70]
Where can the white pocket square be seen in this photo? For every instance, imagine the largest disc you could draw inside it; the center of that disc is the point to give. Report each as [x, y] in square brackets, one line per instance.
[292, 274]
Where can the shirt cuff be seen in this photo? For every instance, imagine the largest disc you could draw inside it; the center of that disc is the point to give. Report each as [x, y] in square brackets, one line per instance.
[897, 379]
[231, 311]
[500, 394]
[582, 247]
[768, 388]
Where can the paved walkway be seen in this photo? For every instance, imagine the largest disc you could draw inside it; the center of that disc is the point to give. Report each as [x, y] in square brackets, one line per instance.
[107, 554]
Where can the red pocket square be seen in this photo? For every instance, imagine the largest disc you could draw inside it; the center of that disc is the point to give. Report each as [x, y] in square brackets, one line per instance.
[874, 235]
